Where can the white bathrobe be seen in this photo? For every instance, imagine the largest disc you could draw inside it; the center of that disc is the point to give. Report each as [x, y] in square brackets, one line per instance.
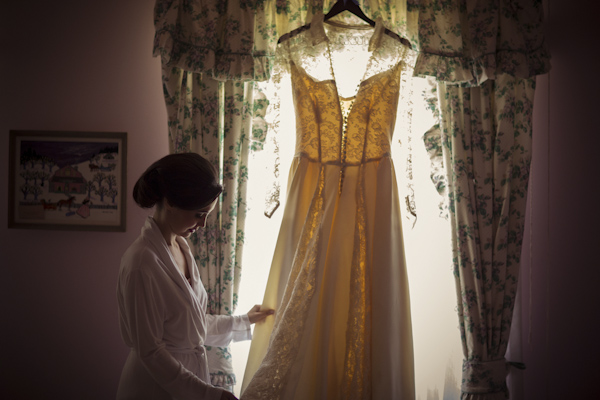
[163, 320]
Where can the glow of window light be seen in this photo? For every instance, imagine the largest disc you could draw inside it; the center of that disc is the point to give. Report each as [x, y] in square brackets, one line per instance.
[436, 340]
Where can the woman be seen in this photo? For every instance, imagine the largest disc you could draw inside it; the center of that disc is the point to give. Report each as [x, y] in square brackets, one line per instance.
[162, 302]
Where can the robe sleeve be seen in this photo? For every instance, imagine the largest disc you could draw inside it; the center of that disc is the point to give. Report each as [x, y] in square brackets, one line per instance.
[144, 311]
[223, 329]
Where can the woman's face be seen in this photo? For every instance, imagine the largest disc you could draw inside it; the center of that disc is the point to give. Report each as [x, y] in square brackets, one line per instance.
[185, 222]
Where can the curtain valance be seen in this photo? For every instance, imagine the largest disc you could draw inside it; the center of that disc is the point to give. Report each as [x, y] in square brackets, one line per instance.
[463, 42]
[228, 40]
[473, 41]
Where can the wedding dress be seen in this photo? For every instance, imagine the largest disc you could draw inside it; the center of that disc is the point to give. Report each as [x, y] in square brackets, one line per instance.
[342, 328]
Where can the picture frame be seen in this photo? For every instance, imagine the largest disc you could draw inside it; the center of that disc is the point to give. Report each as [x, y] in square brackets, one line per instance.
[66, 180]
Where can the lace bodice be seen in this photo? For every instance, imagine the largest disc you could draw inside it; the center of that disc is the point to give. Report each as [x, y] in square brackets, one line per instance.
[331, 66]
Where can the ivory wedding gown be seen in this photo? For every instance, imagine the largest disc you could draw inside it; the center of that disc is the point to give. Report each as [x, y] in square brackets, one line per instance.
[342, 328]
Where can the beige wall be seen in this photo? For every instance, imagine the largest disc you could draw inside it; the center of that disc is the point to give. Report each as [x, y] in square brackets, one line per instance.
[72, 65]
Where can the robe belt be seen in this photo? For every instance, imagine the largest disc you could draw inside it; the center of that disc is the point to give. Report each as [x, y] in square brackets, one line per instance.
[200, 350]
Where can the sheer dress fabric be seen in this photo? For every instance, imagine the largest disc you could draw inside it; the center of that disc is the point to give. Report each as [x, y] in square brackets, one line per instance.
[342, 328]
[163, 320]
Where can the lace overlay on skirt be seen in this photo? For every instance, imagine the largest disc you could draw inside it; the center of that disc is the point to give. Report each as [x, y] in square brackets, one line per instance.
[357, 374]
[295, 304]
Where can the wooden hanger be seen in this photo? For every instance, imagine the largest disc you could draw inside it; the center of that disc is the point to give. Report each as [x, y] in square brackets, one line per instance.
[340, 6]
[350, 6]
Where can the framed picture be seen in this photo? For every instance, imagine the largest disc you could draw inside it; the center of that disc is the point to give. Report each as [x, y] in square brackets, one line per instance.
[67, 180]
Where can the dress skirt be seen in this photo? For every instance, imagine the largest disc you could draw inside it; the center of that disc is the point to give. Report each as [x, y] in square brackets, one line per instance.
[338, 283]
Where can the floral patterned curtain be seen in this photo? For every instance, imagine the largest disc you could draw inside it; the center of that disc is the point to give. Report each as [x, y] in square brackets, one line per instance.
[484, 55]
[458, 41]
[226, 40]
[213, 118]
[486, 144]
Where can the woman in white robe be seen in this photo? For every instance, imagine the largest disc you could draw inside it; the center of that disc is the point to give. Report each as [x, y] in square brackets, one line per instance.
[162, 302]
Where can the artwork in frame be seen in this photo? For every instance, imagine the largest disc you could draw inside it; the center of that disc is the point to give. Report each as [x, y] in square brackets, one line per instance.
[67, 180]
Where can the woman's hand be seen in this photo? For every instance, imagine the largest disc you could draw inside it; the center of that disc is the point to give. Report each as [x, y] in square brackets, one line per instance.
[257, 315]
[225, 395]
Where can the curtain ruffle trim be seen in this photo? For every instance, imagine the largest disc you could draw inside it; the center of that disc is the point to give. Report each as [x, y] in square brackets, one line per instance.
[474, 71]
[219, 365]
[222, 66]
[218, 64]
[222, 379]
[486, 377]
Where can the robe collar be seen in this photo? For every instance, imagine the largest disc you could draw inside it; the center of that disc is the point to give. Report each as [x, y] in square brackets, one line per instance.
[152, 233]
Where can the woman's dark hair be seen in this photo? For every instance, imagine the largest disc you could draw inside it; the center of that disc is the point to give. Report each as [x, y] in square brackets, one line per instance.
[187, 180]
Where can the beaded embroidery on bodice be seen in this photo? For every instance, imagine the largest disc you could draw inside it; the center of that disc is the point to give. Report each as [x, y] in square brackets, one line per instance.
[317, 94]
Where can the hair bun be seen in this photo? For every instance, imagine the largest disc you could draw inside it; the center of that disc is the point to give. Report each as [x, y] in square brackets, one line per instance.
[186, 180]
[147, 190]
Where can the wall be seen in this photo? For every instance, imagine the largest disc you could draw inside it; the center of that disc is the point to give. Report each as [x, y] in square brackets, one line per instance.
[561, 273]
[72, 65]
